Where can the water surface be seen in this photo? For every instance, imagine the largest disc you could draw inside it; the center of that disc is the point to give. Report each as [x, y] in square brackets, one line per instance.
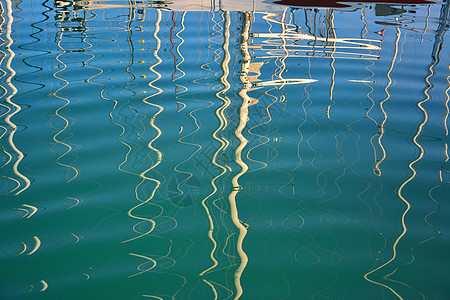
[208, 152]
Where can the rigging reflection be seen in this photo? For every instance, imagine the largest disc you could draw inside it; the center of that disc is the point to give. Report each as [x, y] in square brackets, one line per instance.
[58, 138]
[381, 126]
[413, 169]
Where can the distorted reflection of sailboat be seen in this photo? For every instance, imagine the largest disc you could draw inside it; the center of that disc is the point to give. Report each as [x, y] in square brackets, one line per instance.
[344, 3]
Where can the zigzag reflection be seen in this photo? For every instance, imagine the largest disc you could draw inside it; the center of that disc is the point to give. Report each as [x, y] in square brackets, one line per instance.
[223, 142]
[58, 112]
[447, 99]
[381, 126]
[415, 170]
[12, 108]
[142, 175]
[5, 108]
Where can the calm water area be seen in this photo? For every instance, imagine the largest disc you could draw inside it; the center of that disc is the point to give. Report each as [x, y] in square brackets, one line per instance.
[224, 150]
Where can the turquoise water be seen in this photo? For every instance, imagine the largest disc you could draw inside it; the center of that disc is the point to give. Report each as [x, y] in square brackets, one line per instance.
[291, 153]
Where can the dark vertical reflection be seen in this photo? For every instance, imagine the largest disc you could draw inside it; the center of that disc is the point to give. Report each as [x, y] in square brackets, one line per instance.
[36, 47]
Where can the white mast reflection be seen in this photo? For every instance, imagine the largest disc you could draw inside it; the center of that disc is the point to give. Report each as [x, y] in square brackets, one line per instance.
[381, 132]
[377, 171]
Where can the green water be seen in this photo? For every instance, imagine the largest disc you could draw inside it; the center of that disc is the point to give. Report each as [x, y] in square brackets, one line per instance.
[151, 153]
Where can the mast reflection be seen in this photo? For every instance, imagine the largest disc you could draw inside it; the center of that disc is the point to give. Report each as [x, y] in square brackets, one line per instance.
[12, 108]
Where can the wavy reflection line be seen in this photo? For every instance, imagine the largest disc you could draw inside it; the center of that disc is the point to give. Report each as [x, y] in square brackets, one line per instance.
[294, 53]
[198, 146]
[143, 176]
[76, 202]
[381, 127]
[177, 66]
[356, 42]
[44, 285]
[223, 142]
[447, 98]
[127, 28]
[17, 182]
[8, 100]
[33, 210]
[434, 61]
[279, 49]
[446, 160]
[213, 288]
[436, 230]
[175, 294]
[23, 250]
[196, 124]
[139, 267]
[377, 171]
[114, 106]
[260, 136]
[412, 169]
[283, 46]
[77, 239]
[58, 111]
[413, 175]
[426, 23]
[438, 206]
[270, 17]
[3, 55]
[243, 118]
[36, 246]
[333, 59]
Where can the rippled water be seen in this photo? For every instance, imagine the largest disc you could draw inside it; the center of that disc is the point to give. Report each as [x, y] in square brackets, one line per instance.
[190, 152]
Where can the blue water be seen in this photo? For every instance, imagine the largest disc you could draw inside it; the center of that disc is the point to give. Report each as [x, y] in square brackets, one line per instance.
[292, 153]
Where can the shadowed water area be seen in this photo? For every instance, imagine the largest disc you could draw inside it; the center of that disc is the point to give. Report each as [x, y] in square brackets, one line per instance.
[191, 150]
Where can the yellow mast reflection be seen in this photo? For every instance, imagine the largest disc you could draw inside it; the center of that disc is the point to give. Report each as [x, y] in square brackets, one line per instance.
[283, 43]
[447, 98]
[4, 92]
[330, 24]
[243, 118]
[431, 72]
[223, 142]
[143, 175]
[67, 102]
[381, 131]
[177, 66]
[8, 100]
[377, 170]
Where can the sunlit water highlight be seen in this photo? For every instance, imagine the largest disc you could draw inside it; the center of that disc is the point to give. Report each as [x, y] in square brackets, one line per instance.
[180, 151]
